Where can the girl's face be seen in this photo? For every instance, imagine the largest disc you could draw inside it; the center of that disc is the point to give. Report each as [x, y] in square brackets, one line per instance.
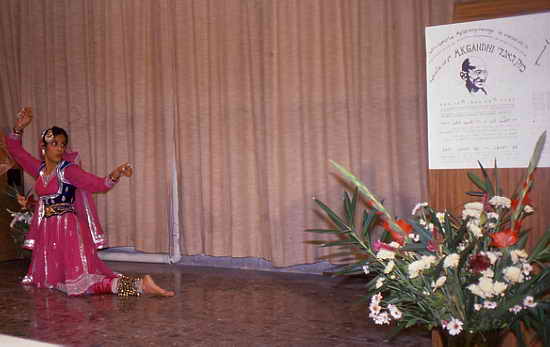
[56, 149]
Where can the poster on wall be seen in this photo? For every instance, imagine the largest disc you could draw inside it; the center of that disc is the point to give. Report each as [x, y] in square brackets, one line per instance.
[488, 89]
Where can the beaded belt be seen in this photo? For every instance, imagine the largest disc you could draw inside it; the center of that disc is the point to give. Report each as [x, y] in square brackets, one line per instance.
[58, 209]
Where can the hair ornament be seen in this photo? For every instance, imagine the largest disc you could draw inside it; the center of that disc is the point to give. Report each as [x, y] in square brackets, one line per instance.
[47, 135]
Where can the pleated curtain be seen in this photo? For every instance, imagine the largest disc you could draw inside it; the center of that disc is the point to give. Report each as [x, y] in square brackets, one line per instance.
[239, 104]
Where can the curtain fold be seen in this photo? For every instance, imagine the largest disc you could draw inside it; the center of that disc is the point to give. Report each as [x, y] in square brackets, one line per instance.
[249, 98]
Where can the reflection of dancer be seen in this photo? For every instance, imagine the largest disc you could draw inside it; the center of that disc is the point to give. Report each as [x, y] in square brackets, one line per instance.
[64, 232]
[474, 72]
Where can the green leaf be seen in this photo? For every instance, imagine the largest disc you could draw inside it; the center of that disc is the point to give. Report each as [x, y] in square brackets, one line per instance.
[488, 183]
[323, 231]
[477, 181]
[541, 246]
[534, 161]
[340, 243]
[369, 222]
[334, 217]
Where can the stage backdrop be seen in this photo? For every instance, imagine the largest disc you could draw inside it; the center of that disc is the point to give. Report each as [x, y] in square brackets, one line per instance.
[240, 102]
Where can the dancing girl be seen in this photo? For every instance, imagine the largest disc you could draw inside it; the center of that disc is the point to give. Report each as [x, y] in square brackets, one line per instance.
[65, 233]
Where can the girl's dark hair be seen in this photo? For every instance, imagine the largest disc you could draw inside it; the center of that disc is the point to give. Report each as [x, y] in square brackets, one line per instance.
[56, 131]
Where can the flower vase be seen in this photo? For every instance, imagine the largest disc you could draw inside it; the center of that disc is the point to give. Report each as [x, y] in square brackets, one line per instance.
[492, 338]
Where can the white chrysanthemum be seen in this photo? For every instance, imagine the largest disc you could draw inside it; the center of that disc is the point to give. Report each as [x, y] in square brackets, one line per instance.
[454, 326]
[440, 217]
[418, 206]
[488, 273]
[513, 274]
[529, 301]
[492, 215]
[395, 312]
[476, 205]
[527, 268]
[487, 286]
[424, 263]
[477, 307]
[382, 318]
[451, 261]
[385, 254]
[517, 255]
[414, 237]
[499, 287]
[389, 267]
[375, 299]
[500, 202]
[440, 282]
[375, 309]
[366, 269]
[474, 228]
[528, 209]
[380, 282]
[516, 309]
[469, 212]
[476, 290]
[493, 256]
[394, 244]
[490, 305]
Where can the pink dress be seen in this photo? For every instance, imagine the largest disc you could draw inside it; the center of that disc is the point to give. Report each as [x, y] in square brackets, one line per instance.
[64, 232]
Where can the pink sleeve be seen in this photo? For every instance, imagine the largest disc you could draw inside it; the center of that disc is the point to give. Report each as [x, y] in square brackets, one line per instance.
[30, 164]
[87, 181]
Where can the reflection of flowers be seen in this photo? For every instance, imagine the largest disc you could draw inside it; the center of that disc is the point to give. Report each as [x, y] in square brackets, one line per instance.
[464, 275]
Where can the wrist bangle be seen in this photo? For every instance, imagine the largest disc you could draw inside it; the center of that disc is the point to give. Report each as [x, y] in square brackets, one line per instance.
[17, 131]
[114, 179]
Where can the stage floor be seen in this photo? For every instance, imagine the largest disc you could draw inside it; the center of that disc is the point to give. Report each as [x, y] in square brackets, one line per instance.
[212, 307]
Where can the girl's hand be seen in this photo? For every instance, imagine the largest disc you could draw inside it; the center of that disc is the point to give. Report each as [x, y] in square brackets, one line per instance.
[24, 118]
[123, 170]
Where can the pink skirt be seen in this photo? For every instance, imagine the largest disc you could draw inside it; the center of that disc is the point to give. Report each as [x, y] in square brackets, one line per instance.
[65, 258]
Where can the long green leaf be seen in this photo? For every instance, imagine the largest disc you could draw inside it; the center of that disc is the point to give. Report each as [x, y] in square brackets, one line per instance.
[323, 231]
[488, 183]
[477, 181]
[334, 217]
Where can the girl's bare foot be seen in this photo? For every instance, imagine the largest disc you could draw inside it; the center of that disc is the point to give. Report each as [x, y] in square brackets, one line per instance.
[150, 287]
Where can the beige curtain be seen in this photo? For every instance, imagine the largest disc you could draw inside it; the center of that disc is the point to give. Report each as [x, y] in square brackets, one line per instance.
[243, 101]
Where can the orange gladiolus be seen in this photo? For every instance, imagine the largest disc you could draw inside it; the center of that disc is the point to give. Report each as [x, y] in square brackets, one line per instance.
[526, 201]
[396, 235]
[505, 238]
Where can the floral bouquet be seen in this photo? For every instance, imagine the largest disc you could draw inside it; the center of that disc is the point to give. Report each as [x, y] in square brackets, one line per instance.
[468, 276]
[21, 219]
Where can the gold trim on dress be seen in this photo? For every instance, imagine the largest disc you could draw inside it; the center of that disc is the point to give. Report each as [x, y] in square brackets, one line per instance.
[58, 209]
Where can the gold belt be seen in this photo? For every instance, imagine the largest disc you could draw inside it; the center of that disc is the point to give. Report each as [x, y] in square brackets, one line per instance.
[58, 209]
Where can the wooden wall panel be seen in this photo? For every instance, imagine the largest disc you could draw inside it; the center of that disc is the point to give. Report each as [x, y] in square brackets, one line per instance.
[447, 188]
[478, 10]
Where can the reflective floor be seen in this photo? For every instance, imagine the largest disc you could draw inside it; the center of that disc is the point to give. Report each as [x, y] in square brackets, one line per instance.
[212, 307]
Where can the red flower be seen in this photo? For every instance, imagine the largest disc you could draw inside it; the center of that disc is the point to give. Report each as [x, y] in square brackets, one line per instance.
[526, 201]
[396, 235]
[381, 245]
[506, 238]
[479, 263]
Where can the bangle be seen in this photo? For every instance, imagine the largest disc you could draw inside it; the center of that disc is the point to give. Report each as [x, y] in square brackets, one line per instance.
[114, 179]
[17, 131]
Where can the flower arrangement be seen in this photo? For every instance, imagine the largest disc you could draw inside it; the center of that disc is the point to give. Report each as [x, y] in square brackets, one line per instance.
[469, 276]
